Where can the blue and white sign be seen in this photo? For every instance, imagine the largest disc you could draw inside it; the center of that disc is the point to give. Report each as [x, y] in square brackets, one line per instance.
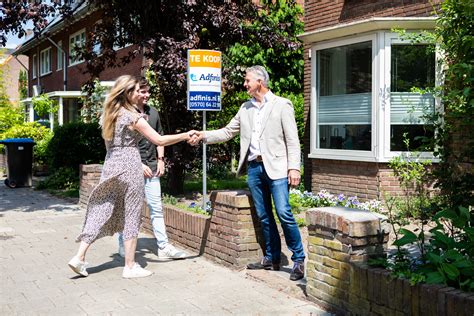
[204, 80]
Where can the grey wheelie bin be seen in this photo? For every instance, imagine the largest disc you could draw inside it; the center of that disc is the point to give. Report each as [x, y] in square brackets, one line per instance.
[19, 152]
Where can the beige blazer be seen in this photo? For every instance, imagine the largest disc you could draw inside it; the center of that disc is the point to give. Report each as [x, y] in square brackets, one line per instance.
[279, 143]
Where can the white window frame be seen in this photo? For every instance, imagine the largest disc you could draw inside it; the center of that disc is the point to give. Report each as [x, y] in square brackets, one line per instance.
[59, 56]
[34, 65]
[341, 154]
[385, 153]
[381, 63]
[71, 50]
[45, 61]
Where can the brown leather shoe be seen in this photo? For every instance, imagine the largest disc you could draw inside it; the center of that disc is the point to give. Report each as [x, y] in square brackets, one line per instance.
[297, 272]
[264, 264]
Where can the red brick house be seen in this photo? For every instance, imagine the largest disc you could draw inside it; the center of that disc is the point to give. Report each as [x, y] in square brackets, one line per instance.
[60, 75]
[11, 68]
[358, 102]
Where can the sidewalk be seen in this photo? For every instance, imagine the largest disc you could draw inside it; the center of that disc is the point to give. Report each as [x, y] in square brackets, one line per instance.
[37, 233]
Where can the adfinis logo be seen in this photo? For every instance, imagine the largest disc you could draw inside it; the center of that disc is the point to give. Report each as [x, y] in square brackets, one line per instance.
[193, 77]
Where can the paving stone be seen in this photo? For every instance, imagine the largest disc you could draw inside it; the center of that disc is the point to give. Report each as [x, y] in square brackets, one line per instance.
[39, 234]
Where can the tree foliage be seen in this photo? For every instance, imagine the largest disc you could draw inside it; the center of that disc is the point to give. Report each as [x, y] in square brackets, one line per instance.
[455, 140]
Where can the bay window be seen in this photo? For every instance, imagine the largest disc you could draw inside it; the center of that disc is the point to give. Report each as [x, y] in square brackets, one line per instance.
[370, 92]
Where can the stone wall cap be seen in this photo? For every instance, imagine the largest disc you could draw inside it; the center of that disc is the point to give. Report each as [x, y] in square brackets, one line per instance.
[351, 214]
[235, 198]
[349, 221]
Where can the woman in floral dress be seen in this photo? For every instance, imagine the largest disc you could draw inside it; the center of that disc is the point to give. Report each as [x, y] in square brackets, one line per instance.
[115, 204]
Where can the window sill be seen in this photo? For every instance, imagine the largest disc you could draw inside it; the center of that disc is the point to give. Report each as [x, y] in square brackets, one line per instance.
[423, 157]
[76, 63]
[46, 73]
[352, 155]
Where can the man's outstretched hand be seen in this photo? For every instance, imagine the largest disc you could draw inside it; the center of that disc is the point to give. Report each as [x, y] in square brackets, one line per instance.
[196, 137]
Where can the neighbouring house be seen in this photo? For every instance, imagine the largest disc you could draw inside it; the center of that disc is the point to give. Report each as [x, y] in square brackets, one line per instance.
[358, 100]
[56, 71]
[11, 67]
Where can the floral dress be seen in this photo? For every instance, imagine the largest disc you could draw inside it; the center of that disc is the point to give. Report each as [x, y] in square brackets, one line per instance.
[116, 203]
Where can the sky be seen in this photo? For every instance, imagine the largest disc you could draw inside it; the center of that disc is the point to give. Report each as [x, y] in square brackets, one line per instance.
[13, 41]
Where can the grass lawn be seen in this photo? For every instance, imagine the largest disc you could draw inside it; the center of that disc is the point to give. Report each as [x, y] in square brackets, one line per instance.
[216, 184]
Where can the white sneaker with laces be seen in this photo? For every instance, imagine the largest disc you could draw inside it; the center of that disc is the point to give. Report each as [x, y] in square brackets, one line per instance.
[135, 272]
[78, 266]
[170, 252]
[121, 251]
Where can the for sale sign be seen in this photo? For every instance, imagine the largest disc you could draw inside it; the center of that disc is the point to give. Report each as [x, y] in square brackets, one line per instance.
[204, 80]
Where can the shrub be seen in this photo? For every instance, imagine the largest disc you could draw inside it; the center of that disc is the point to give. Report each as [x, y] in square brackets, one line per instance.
[28, 130]
[61, 179]
[74, 144]
[9, 116]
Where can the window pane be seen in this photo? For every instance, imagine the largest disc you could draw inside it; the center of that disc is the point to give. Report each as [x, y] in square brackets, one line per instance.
[59, 56]
[412, 66]
[344, 104]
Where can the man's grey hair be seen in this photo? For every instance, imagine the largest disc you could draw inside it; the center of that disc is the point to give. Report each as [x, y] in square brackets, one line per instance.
[261, 73]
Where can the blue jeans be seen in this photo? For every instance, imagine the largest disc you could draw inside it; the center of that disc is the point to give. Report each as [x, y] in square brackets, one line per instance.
[153, 200]
[263, 189]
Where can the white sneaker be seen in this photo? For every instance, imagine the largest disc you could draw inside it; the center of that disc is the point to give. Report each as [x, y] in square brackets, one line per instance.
[135, 272]
[121, 251]
[78, 266]
[170, 252]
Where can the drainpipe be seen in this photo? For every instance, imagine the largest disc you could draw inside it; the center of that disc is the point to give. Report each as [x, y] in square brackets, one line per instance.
[63, 54]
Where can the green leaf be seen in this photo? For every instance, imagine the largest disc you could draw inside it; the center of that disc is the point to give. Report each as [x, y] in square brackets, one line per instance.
[408, 238]
[453, 255]
[434, 258]
[464, 212]
[434, 278]
[448, 214]
[451, 271]
[441, 237]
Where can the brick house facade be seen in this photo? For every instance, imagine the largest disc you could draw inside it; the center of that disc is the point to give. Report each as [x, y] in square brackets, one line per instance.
[11, 68]
[357, 101]
[46, 67]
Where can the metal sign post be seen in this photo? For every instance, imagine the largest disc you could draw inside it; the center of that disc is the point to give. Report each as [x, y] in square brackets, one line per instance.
[204, 93]
[204, 165]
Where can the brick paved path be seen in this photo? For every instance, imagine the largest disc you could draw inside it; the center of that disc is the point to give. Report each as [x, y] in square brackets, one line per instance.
[37, 234]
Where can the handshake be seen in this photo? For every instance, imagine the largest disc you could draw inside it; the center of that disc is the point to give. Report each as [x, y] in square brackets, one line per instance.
[194, 137]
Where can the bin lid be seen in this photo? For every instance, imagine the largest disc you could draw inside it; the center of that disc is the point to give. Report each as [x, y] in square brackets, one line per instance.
[17, 140]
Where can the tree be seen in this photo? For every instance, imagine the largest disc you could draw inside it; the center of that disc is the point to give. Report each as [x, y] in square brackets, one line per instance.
[23, 85]
[163, 31]
[282, 59]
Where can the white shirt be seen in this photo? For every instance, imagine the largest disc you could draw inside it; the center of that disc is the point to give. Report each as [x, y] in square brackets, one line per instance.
[259, 114]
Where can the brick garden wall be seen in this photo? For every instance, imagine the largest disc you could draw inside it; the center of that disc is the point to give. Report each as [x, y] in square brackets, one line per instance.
[230, 236]
[339, 244]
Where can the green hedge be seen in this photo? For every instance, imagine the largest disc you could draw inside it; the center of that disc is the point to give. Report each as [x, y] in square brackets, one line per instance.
[74, 144]
[34, 130]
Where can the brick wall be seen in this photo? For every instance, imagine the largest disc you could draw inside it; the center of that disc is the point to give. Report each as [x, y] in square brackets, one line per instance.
[76, 75]
[324, 13]
[231, 236]
[89, 176]
[366, 180]
[339, 244]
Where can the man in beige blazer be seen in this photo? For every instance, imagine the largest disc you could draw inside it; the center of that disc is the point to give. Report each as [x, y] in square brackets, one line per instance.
[270, 149]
